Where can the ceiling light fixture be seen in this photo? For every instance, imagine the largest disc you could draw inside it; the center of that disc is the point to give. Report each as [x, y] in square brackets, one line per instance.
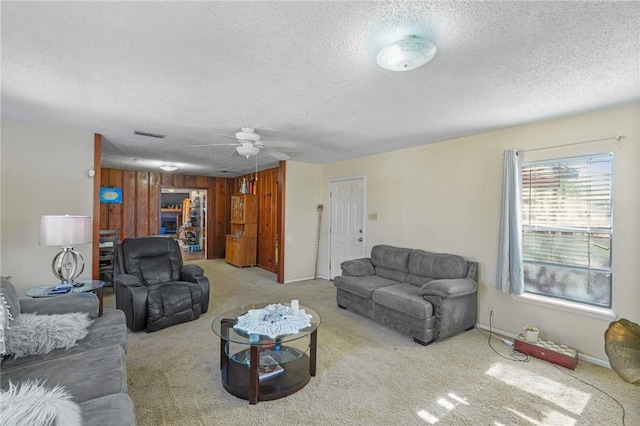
[247, 149]
[406, 54]
[169, 167]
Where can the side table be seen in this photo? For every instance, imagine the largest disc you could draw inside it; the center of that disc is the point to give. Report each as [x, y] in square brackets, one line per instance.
[87, 286]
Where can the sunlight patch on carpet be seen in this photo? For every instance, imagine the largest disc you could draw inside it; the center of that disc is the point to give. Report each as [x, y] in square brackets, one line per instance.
[551, 417]
[566, 397]
[447, 404]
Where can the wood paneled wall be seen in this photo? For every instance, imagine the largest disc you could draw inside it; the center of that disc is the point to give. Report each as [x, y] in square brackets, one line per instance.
[139, 213]
[267, 192]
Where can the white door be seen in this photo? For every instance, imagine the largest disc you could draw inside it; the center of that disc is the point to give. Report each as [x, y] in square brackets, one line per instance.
[346, 232]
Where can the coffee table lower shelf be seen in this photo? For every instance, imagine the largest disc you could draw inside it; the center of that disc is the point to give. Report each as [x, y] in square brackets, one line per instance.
[236, 378]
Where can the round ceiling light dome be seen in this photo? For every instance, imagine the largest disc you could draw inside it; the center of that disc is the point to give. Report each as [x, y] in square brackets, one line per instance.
[406, 54]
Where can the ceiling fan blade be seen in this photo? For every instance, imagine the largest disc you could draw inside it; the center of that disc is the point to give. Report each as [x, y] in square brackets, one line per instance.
[277, 154]
[279, 144]
[213, 144]
[227, 136]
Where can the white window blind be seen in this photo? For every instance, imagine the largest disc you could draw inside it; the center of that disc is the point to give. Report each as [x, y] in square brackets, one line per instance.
[567, 232]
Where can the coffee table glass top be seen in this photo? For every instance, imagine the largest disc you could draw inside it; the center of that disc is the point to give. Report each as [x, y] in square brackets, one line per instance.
[86, 285]
[222, 326]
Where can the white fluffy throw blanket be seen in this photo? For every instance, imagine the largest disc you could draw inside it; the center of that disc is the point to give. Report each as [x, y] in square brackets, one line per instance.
[32, 334]
[32, 404]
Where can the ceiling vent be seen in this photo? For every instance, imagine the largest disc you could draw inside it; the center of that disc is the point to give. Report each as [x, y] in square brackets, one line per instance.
[148, 134]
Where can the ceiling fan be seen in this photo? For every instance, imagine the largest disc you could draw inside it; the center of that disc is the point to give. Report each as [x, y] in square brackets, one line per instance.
[248, 144]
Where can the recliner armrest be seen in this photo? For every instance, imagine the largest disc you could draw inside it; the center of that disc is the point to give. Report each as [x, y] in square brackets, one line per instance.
[357, 267]
[127, 280]
[449, 288]
[189, 272]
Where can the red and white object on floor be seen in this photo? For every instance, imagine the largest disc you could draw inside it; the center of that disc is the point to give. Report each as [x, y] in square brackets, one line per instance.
[547, 350]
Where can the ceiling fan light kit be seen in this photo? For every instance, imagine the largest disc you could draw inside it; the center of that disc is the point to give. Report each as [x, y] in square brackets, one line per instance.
[247, 149]
[406, 54]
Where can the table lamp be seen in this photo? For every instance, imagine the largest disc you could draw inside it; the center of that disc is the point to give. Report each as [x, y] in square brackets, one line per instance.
[66, 231]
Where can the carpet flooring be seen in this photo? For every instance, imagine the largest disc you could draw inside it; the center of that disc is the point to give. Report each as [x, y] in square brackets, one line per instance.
[367, 374]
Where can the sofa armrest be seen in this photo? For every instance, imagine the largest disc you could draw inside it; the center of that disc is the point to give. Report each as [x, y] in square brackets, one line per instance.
[357, 267]
[74, 302]
[448, 288]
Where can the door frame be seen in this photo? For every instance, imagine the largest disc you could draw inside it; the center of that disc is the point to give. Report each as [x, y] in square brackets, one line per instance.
[363, 178]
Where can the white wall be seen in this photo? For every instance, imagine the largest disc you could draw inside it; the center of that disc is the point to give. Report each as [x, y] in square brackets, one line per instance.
[303, 193]
[445, 197]
[44, 171]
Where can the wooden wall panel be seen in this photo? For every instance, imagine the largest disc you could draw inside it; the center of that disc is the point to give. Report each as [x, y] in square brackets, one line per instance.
[139, 213]
[267, 192]
[154, 201]
[129, 204]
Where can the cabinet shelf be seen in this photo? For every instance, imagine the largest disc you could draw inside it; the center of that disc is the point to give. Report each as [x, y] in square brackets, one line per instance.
[242, 243]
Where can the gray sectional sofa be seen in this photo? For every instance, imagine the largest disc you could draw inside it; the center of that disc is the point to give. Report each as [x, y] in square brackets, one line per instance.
[428, 296]
[93, 371]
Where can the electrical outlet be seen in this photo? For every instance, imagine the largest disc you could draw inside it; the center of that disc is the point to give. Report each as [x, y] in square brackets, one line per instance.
[492, 312]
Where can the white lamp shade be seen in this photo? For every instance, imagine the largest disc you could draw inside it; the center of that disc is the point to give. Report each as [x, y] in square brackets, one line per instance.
[65, 230]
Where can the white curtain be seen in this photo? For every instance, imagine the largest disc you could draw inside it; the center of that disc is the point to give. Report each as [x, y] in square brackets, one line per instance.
[509, 277]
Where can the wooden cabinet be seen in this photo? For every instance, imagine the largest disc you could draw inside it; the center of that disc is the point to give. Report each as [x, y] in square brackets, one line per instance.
[242, 243]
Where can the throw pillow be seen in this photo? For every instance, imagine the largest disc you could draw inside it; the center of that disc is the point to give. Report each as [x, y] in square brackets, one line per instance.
[5, 319]
[9, 292]
[32, 334]
[31, 403]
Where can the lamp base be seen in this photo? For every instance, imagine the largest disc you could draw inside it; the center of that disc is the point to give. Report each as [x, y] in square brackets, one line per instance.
[67, 265]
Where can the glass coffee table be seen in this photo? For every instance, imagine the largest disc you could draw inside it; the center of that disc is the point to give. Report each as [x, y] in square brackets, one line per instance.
[259, 367]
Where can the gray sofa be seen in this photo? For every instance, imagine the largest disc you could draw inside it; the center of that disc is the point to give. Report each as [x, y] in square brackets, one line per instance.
[428, 296]
[93, 372]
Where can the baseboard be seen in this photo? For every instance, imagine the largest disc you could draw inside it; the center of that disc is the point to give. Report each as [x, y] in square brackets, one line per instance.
[295, 280]
[581, 356]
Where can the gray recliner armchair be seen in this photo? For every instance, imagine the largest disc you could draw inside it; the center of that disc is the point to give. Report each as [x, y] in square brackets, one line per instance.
[154, 288]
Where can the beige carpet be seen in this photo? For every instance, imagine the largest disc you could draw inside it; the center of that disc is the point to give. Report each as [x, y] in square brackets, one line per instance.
[367, 374]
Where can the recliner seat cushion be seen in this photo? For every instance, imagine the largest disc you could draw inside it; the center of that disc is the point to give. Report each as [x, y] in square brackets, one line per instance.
[424, 267]
[404, 298]
[172, 303]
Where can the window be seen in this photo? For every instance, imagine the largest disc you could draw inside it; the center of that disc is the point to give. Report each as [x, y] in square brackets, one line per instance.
[566, 229]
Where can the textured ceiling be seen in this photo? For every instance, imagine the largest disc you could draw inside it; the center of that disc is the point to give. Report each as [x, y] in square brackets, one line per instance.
[306, 72]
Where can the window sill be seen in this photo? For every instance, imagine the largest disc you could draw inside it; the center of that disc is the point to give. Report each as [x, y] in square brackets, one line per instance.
[566, 306]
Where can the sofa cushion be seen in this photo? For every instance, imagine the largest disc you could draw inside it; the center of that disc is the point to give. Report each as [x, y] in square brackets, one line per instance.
[86, 375]
[106, 330]
[357, 267]
[116, 409]
[404, 298]
[362, 286]
[390, 262]
[435, 265]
